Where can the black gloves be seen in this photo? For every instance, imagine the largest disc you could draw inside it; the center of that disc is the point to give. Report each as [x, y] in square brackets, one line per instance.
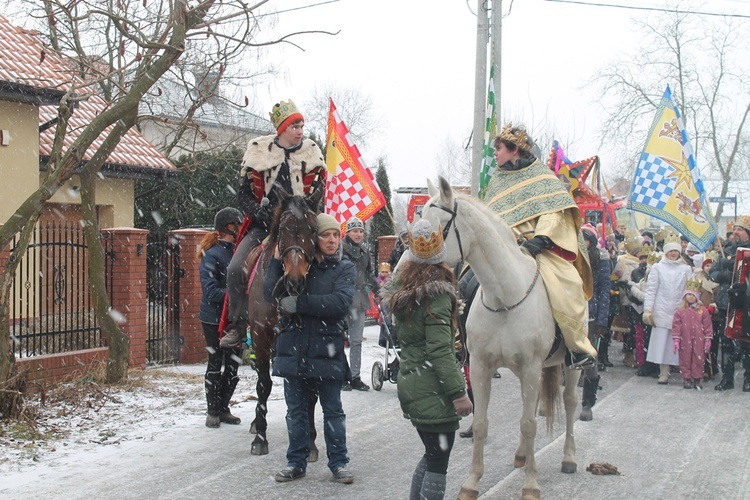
[738, 295]
[288, 304]
[261, 215]
[536, 244]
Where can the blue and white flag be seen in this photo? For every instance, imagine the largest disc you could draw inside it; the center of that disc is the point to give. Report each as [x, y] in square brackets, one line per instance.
[667, 183]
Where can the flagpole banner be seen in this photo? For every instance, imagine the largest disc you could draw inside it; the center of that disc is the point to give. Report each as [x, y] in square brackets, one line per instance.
[490, 131]
[667, 183]
[351, 189]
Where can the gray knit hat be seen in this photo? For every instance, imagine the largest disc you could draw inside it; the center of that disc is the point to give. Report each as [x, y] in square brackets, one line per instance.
[354, 223]
[426, 245]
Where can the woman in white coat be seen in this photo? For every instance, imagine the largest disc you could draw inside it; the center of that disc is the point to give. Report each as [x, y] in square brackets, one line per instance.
[666, 283]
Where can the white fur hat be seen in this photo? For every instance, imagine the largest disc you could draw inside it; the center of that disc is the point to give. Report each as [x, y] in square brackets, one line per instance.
[672, 245]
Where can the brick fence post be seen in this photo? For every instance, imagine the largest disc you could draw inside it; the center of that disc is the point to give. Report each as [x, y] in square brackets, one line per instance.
[194, 348]
[129, 296]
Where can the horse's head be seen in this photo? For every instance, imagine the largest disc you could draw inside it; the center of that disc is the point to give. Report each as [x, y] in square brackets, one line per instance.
[295, 226]
[441, 211]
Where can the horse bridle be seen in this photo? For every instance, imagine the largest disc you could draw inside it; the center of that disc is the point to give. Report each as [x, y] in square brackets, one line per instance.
[447, 228]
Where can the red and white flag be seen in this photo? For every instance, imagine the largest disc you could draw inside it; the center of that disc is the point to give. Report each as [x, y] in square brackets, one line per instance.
[351, 189]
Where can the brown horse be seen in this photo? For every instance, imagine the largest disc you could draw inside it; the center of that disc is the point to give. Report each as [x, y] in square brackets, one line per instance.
[293, 230]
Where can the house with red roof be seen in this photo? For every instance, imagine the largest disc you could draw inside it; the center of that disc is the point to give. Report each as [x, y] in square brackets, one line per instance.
[33, 79]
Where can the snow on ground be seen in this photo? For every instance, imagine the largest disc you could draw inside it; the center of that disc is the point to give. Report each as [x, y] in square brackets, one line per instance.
[152, 402]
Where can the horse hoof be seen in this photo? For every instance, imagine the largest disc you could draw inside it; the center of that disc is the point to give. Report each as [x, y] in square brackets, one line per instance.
[259, 449]
[253, 428]
[569, 467]
[467, 494]
[531, 494]
[519, 461]
[313, 456]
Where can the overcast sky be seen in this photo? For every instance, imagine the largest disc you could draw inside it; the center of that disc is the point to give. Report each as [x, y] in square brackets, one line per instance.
[416, 60]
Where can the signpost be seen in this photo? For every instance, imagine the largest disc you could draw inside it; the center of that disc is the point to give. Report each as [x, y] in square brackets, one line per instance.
[725, 199]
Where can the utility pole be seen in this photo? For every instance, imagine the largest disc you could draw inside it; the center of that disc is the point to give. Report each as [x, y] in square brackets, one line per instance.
[480, 97]
[497, 57]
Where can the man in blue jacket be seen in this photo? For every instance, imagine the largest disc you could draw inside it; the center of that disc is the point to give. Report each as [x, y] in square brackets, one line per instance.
[310, 351]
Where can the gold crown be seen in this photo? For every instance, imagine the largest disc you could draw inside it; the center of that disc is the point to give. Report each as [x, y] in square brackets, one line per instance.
[281, 111]
[710, 255]
[384, 267]
[672, 238]
[632, 242]
[425, 248]
[653, 258]
[693, 285]
[517, 137]
[744, 222]
[661, 234]
[646, 249]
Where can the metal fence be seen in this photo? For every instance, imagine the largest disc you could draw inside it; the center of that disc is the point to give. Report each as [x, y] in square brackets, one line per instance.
[163, 273]
[51, 310]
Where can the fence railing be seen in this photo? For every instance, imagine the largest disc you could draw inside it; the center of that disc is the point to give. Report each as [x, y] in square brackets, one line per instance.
[51, 310]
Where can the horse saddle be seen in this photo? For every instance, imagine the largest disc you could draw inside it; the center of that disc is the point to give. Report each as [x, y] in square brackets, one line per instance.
[251, 262]
[467, 290]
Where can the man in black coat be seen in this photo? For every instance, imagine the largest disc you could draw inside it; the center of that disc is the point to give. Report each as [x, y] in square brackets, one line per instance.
[358, 253]
[721, 273]
[310, 351]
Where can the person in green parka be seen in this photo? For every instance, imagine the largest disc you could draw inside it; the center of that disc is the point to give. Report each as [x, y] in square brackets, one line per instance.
[431, 386]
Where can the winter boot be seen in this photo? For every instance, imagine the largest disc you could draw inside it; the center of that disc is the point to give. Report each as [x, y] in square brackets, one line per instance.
[232, 338]
[698, 383]
[687, 383]
[604, 352]
[228, 385]
[629, 360]
[417, 479]
[433, 486]
[227, 418]
[727, 365]
[213, 421]
[358, 385]
[590, 386]
[212, 383]
[663, 374]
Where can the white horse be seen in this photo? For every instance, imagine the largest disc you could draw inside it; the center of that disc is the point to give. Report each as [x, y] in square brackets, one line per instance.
[510, 325]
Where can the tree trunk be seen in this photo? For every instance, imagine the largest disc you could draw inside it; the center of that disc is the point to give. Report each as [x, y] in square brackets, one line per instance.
[9, 399]
[122, 115]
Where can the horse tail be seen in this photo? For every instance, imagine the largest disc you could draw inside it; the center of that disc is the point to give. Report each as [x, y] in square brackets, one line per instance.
[551, 380]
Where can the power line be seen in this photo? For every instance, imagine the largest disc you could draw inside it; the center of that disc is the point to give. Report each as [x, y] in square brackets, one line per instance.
[652, 9]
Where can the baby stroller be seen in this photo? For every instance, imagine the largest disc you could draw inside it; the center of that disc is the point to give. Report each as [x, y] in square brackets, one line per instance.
[387, 370]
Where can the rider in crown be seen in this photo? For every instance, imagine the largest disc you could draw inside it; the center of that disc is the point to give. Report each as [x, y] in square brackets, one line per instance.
[271, 164]
[544, 217]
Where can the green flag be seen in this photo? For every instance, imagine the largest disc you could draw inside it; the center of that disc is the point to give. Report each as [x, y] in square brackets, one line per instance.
[490, 131]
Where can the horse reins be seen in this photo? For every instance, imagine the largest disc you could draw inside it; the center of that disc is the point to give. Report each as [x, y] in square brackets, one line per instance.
[508, 308]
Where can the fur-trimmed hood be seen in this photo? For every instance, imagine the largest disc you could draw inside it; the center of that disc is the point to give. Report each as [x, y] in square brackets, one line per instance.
[396, 297]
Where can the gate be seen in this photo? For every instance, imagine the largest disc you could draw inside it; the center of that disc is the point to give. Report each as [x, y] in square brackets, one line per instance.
[163, 273]
[51, 310]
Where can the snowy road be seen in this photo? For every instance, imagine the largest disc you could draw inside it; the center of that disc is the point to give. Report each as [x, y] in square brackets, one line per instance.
[669, 443]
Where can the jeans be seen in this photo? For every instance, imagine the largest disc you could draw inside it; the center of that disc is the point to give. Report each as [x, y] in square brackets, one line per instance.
[298, 428]
[356, 328]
